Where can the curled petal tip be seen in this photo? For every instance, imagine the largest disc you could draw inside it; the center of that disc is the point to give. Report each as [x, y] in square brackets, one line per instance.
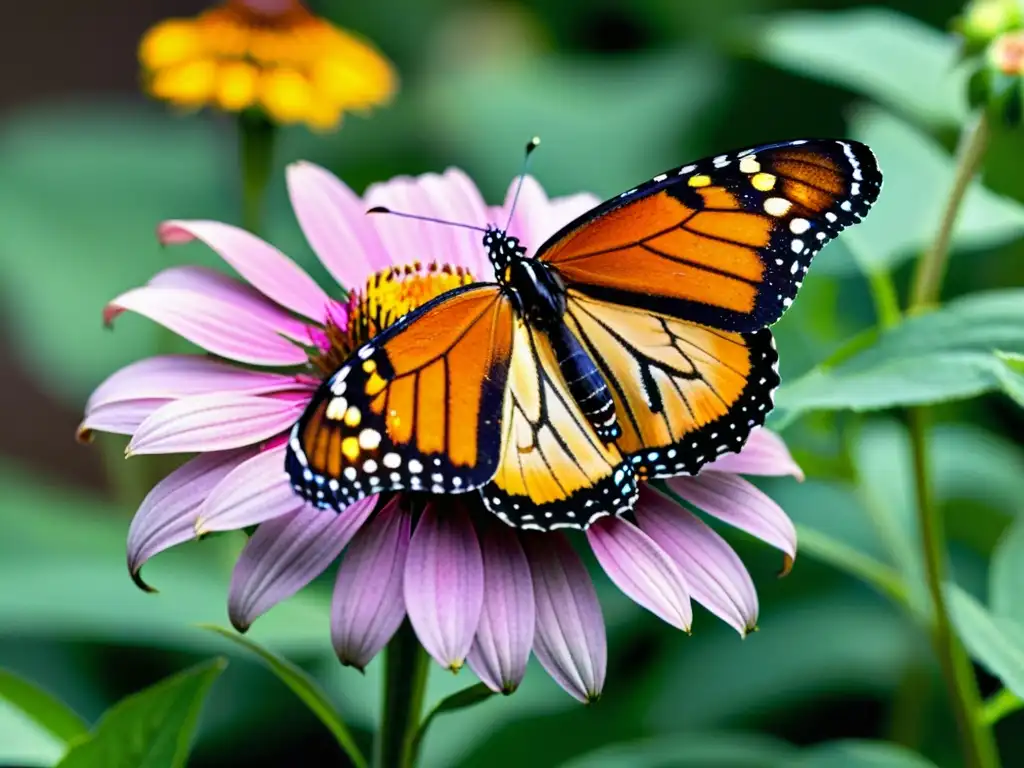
[240, 626]
[136, 574]
[456, 666]
[109, 313]
[593, 697]
[509, 687]
[83, 435]
[787, 566]
[172, 233]
[353, 665]
[751, 629]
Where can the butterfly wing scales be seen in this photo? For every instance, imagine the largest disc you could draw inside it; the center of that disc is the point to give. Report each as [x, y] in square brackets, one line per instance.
[553, 470]
[415, 408]
[724, 242]
[685, 393]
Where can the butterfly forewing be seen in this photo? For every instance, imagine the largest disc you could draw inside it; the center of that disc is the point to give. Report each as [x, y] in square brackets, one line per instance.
[415, 408]
[724, 242]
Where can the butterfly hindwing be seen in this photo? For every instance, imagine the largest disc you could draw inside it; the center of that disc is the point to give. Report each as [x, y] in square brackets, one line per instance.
[684, 393]
[724, 242]
[415, 408]
[553, 469]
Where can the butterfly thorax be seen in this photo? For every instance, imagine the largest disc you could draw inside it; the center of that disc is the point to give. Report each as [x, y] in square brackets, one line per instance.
[536, 290]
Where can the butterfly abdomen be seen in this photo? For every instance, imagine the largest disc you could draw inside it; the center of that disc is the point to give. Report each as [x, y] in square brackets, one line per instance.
[585, 383]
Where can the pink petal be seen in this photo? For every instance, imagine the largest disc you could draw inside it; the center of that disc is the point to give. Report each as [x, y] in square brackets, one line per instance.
[368, 605]
[444, 582]
[454, 197]
[215, 423]
[255, 491]
[167, 514]
[263, 266]
[764, 454]
[287, 553]
[210, 283]
[169, 377]
[335, 223]
[641, 569]
[536, 217]
[570, 640]
[735, 501]
[119, 418]
[217, 325]
[714, 573]
[505, 634]
[431, 195]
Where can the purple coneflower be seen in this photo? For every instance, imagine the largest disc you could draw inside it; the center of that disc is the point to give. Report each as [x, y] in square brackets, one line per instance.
[474, 590]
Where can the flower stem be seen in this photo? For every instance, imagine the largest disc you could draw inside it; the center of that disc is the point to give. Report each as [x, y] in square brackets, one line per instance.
[405, 682]
[931, 267]
[997, 706]
[256, 139]
[978, 743]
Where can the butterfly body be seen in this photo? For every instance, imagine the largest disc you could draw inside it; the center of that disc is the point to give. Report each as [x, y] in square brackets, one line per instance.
[633, 345]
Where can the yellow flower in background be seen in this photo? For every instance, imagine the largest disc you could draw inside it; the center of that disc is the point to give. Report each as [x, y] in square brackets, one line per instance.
[269, 54]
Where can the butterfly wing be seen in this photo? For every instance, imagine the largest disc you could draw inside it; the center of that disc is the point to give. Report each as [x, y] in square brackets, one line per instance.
[724, 242]
[415, 408]
[553, 471]
[684, 393]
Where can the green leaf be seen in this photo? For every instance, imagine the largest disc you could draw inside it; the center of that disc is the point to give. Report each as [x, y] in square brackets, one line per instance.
[941, 356]
[306, 688]
[918, 176]
[884, 55]
[1012, 375]
[44, 709]
[997, 643]
[860, 754]
[845, 558]
[566, 101]
[149, 729]
[467, 697]
[24, 743]
[693, 750]
[82, 191]
[1006, 574]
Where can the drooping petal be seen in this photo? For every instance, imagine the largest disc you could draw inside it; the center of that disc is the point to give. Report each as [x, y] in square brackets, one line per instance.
[570, 639]
[369, 604]
[214, 324]
[255, 491]
[214, 423]
[641, 569]
[172, 376]
[444, 582]
[335, 224]
[119, 418]
[764, 454]
[714, 573]
[209, 283]
[167, 515]
[735, 501]
[261, 264]
[505, 633]
[286, 553]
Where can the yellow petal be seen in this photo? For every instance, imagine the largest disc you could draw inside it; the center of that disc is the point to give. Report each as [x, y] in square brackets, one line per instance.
[191, 84]
[353, 73]
[168, 43]
[236, 85]
[323, 115]
[286, 95]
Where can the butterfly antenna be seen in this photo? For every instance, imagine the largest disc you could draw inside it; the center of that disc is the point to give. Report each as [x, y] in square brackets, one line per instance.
[531, 145]
[432, 219]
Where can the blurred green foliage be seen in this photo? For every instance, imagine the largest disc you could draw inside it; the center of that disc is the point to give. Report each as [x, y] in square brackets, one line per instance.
[619, 92]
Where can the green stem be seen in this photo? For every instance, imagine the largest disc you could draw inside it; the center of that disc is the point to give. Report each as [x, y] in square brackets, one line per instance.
[978, 743]
[405, 682]
[256, 139]
[997, 706]
[931, 267]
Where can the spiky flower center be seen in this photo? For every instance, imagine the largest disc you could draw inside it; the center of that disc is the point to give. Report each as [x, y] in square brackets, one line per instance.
[388, 296]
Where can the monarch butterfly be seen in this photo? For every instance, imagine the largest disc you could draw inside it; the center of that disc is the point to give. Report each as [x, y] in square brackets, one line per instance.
[634, 345]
